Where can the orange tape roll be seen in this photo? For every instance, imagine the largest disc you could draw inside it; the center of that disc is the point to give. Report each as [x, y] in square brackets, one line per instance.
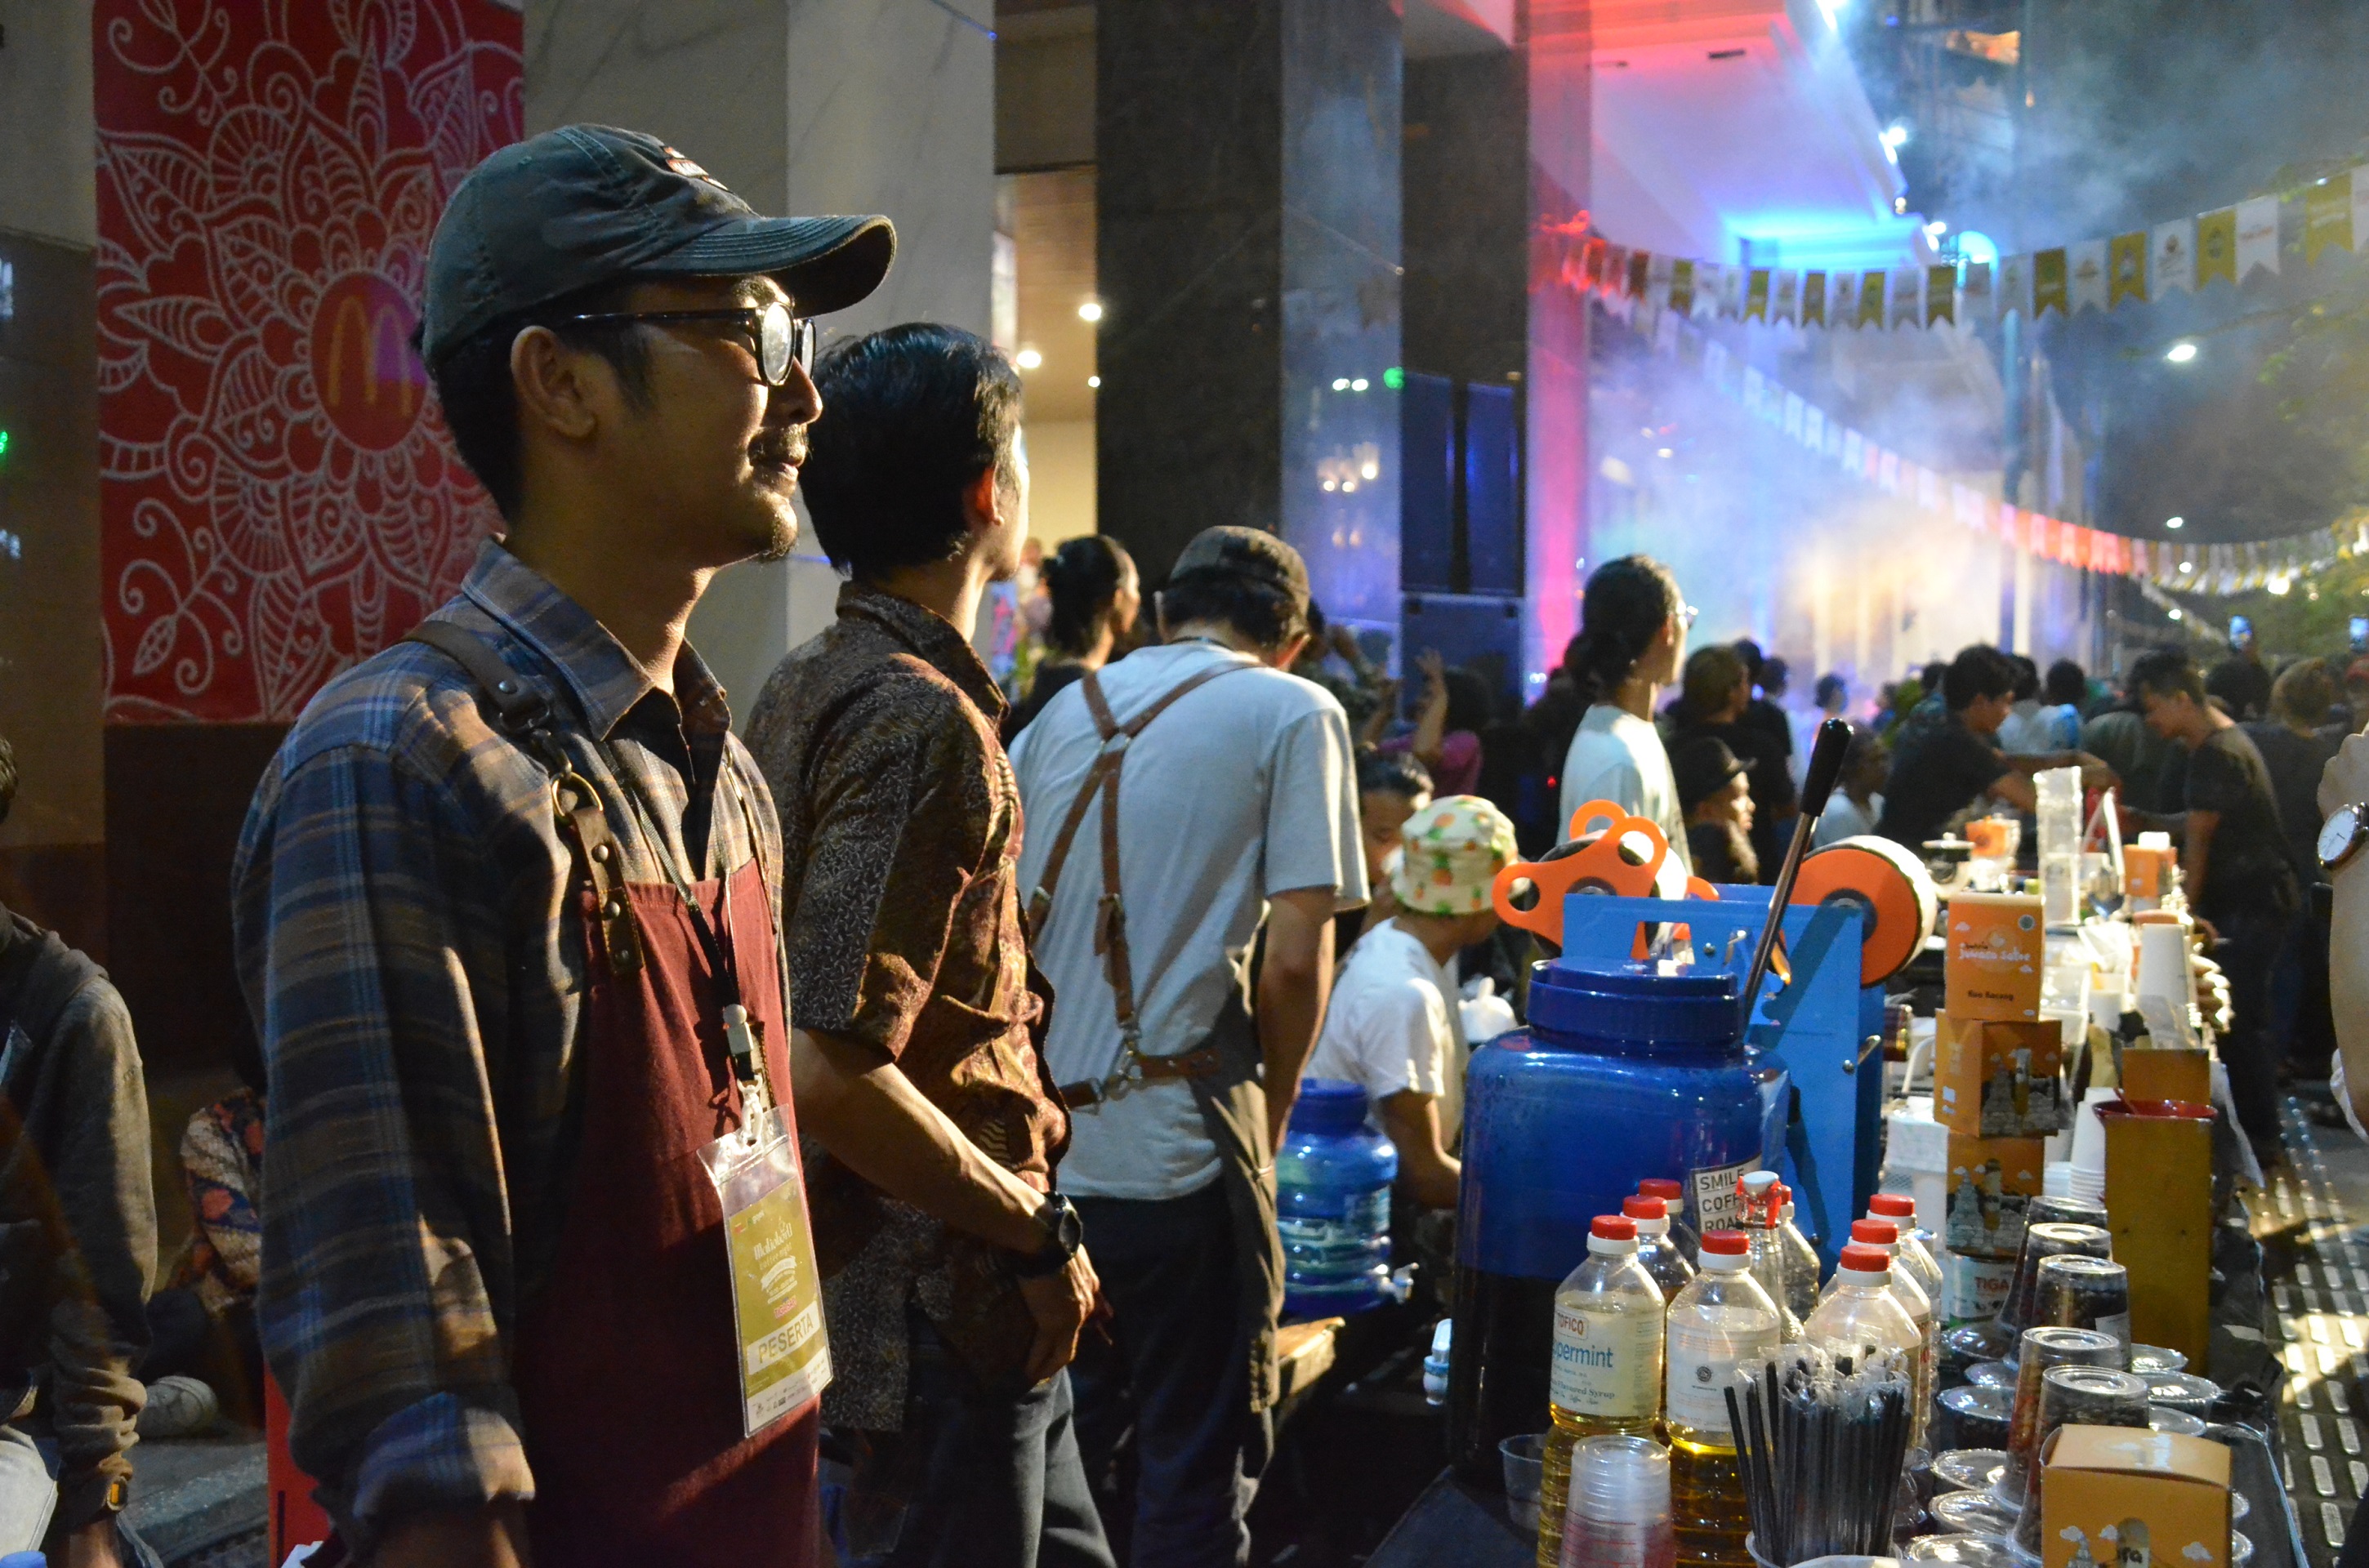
[1891, 884]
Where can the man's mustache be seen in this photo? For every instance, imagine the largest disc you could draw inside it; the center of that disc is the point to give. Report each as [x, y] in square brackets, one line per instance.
[779, 449]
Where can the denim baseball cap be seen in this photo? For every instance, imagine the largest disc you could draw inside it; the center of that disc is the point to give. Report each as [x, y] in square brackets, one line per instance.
[1248, 552]
[583, 204]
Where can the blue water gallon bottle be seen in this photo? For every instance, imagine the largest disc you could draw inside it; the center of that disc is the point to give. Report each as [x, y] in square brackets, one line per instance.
[1623, 1073]
[1333, 1203]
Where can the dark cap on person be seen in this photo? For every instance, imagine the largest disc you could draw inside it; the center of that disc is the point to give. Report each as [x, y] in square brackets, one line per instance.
[1252, 554]
[584, 204]
[1702, 767]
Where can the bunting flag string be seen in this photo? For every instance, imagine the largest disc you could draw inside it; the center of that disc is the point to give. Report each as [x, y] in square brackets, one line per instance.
[2214, 569]
[2228, 244]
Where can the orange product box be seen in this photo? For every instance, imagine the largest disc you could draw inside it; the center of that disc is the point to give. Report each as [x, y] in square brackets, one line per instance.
[1993, 1080]
[1991, 959]
[2121, 1495]
[2167, 1073]
[2159, 1208]
[2146, 873]
[1991, 1182]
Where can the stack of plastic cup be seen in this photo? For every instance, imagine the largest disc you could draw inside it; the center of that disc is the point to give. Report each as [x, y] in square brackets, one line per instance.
[2045, 1349]
[1619, 1513]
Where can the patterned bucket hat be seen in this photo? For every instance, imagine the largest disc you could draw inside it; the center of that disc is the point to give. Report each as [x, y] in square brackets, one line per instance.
[1455, 847]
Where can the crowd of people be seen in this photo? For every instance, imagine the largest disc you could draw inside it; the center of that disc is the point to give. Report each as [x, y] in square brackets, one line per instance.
[860, 1139]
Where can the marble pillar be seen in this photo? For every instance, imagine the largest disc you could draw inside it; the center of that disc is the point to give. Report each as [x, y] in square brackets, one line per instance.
[1248, 261]
[801, 106]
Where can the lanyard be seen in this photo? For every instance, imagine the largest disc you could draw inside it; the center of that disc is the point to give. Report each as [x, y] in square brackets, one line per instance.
[739, 1038]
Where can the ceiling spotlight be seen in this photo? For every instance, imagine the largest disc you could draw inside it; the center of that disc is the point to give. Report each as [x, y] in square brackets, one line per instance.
[1093, 381]
[2175, 522]
[1369, 469]
[1936, 229]
[2279, 586]
[1662, 452]
[1091, 311]
[2187, 566]
[1341, 384]
[2180, 353]
[1359, 385]
[2175, 612]
[1028, 359]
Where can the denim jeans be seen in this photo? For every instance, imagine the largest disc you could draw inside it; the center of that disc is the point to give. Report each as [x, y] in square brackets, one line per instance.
[1004, 1486]
[1180, 1371]
[28, 1497]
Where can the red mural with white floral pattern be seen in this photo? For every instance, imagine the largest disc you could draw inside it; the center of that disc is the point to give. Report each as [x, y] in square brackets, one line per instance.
[280, 496]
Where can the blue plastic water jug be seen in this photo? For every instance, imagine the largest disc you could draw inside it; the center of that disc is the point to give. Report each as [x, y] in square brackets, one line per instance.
[1333, 1203]
[1623, 1074]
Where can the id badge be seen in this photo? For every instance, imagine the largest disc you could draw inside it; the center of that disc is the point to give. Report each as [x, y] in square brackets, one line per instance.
[776, 1290]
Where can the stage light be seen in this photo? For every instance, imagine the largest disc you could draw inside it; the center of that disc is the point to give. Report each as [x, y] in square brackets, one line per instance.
[2175, 522]
[1093, 381]
[2279, 586]
[1028, 359]
[1977, 247]
[1359, 385]
[1341, 384]
[1091, 311]
[2180, 353]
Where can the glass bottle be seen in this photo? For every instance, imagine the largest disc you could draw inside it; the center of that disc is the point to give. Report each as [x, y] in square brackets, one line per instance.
[1860, 1314]
[1882, 1235]
[1605, 1377]
[1670, 1270]
[1801, 1258]
[1763, 1233]
[1920, 1250]
[1673, 1194]
[1724, 1320]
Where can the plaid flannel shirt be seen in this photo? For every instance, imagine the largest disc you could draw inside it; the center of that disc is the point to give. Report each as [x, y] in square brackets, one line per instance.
[411, 953]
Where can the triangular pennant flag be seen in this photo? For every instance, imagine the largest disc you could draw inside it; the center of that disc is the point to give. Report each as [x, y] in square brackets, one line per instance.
[1755, 296]
[1753, 381]
[1710, 279]
[1591, 261]
[2171, 256]
[1715, 364]
[1842, 299]
[1640, 274]
[2217, 246]
[2086, 269]
[1731, 292]
[2127, 259]
[2015, 286]
[2326, 216]
[1966, 505]
[2048, 282]
[1813, 299]
[1871, 299]
[1907, 297]
[1665, 335]
[1940, 294]
[1854, 451]
[2008, 529]
[1682, 286]
[1787, 304]
[1887, 471]
[1980, 299]
[1929, 490]
[2258, 235]
[1793, 407]
[1660, 272]
[1814, 428]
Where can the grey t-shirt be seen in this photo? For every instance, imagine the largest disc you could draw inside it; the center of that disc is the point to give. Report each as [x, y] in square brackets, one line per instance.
[1243, 788]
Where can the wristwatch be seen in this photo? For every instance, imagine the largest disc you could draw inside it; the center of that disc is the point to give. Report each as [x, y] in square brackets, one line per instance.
[1064, 1233]
[2342, 836]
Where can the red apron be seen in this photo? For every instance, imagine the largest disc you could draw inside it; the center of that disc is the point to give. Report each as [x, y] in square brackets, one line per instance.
[627, 1369]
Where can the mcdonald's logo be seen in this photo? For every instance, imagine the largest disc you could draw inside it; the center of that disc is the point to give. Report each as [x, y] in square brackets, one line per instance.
[370, 381]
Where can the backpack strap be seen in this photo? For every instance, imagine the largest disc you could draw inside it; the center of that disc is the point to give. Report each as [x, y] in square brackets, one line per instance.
[524, 713]
[1102, 783]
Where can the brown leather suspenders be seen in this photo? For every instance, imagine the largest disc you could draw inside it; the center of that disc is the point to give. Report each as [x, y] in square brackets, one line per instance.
[1110, 916]
[523, 714]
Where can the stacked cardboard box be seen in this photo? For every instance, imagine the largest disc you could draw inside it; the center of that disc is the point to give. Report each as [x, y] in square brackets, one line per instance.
[1997, 1086]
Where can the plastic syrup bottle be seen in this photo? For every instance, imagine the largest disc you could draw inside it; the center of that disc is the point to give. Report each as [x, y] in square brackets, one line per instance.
[1606, 1375]
[1763, 1233]
[1919, 1251]
[1721, 1322]
[1882, 1235]
[1861, 1314]
[1671, 1271]
[1801, 1258]
[1673, 1194]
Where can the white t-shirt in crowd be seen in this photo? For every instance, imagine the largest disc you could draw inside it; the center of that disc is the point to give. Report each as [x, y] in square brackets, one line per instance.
[1617, 756]
[1245, 787]
[1392, 1025]
[1844, 820]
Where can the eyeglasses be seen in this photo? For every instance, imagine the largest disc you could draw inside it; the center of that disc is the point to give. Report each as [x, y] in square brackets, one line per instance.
[1686, 613]
[777, 338]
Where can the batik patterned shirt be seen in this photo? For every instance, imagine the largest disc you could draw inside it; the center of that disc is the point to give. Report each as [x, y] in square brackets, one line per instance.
[900, 832]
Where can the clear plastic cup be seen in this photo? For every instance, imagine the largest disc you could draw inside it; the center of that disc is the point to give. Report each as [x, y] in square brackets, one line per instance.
[1618, 1514]
[1525, 1462]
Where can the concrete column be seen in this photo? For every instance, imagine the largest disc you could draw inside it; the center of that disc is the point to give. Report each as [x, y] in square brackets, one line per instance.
[801, 106]
[1248, 262]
